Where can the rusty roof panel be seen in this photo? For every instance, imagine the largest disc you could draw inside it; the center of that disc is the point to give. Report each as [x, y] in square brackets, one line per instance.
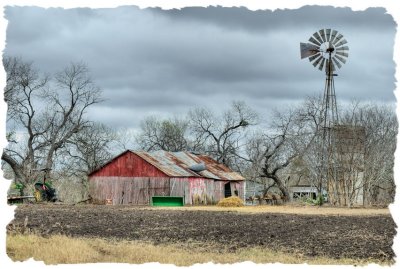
[162, 161]
[176, 164]
[219, 169]
[190, 159]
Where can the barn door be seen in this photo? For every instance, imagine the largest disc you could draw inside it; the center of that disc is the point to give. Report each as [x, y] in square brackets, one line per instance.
[228, 190]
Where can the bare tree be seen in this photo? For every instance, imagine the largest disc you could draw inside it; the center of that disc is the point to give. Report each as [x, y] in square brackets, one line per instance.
[45, 113]
[23, 85]
[157, 134]
[88, 149]
[125, 140]
[22, 81]
[365, 160]
[381, 127]
[222, 137]
[272, 151]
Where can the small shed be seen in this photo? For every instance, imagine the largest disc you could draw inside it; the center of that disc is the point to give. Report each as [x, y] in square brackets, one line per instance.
[134, 177]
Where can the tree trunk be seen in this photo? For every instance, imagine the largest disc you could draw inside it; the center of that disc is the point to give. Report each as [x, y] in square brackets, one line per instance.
[281, 187]
[17, 169]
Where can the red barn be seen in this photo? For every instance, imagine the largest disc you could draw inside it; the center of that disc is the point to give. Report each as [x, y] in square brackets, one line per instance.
[133, 177]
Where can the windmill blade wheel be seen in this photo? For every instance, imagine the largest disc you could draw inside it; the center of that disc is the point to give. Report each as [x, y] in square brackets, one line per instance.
[326, 50]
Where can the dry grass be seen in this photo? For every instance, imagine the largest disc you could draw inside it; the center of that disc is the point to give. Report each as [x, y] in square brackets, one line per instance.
[232, 201]
[61, 250]
[289, 209]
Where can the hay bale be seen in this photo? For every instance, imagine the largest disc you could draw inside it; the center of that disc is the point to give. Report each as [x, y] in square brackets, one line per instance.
[232, 201]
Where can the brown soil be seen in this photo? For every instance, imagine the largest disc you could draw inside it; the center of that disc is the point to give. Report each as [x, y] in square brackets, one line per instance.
[357, 237]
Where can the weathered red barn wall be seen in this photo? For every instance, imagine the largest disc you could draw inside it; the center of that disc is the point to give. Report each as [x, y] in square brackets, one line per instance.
[207, 190]
[128, 165]
[235, 186]
[128, 190]
[196, 190]
[139, 190]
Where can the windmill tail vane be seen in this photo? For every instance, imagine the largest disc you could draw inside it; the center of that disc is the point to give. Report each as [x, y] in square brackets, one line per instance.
[307, 50]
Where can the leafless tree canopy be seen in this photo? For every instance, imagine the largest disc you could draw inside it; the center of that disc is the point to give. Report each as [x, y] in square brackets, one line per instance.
[273, 150]
[381, 127]
[222, 137]
[89, 149]
[46, 113]
[169, 135]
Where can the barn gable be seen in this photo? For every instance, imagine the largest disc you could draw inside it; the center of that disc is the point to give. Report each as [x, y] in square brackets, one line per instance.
[128, 164]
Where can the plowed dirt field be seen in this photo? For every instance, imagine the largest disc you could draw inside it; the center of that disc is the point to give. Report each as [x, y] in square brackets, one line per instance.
[334, 236]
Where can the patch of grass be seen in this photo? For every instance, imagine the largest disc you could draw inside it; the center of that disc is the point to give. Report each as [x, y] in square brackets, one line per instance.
[60, 249]
[288, 209]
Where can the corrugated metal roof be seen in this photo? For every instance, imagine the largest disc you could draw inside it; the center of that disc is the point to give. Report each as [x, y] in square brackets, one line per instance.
[163, 161]
[176, 164]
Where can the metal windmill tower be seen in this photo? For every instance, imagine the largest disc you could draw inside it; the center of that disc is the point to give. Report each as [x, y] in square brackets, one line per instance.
[326, 51]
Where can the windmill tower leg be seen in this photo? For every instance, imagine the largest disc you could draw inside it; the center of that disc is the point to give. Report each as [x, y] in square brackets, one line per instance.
[328, 179]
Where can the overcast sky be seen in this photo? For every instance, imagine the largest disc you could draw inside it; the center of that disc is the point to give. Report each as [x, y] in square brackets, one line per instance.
[165, 62]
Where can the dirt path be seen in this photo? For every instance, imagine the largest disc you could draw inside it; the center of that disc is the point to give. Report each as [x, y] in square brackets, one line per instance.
[358, 236]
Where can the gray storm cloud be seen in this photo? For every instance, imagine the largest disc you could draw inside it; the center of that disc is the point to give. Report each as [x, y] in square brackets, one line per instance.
[154, 61]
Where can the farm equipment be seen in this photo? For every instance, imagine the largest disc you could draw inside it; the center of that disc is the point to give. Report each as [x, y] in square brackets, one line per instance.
[44, 192]
[15, 195]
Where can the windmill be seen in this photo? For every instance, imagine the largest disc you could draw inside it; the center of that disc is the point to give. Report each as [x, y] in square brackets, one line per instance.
[326, 51]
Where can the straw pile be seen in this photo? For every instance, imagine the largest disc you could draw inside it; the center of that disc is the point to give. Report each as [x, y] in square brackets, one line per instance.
[232, 201]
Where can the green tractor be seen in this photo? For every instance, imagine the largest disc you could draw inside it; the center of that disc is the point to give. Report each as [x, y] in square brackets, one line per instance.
[44, 192]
